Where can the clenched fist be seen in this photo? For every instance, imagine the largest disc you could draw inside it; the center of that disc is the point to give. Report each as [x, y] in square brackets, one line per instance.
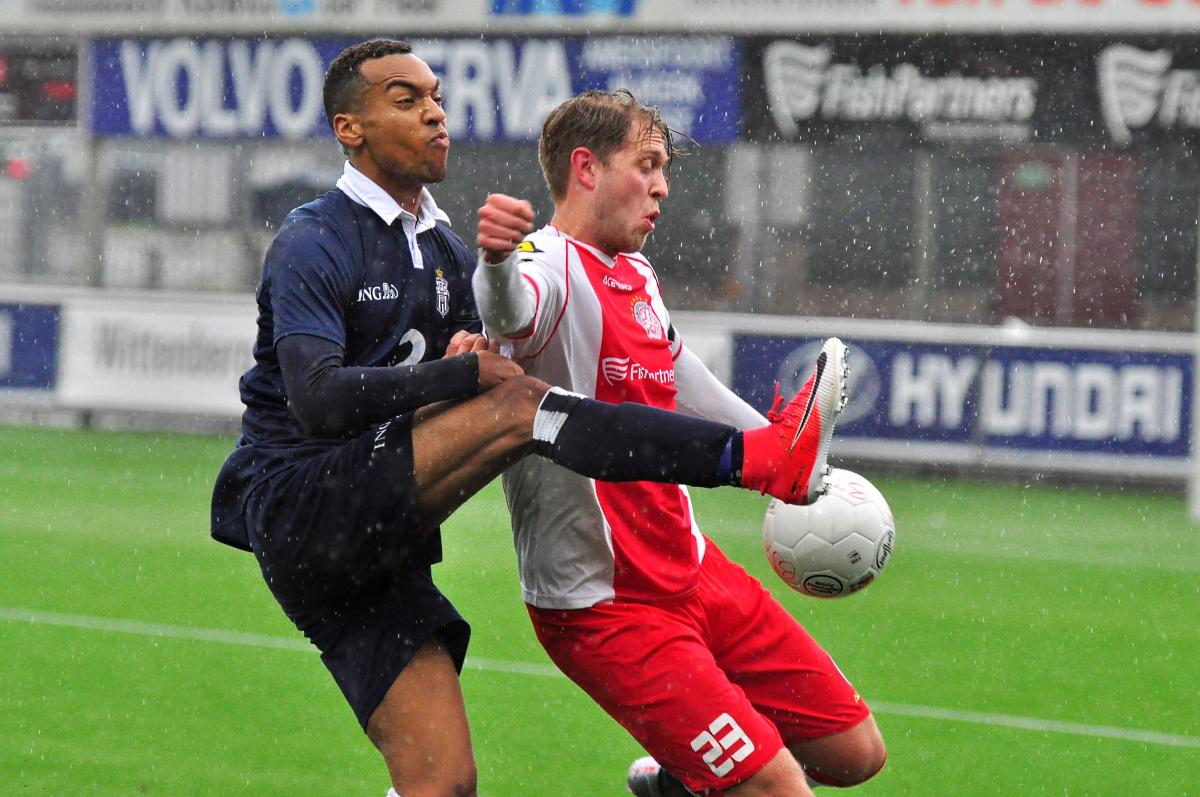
[503, 222]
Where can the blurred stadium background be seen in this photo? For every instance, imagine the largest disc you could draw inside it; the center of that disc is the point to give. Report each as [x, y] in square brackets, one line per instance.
[996, 203]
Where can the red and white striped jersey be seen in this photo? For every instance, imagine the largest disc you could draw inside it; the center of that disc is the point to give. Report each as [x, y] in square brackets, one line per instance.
[600, 329]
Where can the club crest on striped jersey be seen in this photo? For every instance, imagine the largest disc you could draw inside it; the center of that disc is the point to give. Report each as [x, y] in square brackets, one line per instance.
[644, 314]
[442, 288]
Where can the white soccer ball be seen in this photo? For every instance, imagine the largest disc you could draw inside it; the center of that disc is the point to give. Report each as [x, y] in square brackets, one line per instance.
[835, 546]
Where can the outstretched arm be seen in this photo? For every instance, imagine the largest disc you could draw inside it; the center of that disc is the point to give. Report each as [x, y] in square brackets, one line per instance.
[703, 395]
[334, 400]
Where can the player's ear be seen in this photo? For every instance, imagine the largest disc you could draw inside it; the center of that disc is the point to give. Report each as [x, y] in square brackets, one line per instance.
[584, 165]
[348, 129]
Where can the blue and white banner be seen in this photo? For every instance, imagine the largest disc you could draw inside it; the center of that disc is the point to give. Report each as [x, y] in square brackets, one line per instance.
[210, 88]
[28, 345]
[496, 89]
[1087, 401]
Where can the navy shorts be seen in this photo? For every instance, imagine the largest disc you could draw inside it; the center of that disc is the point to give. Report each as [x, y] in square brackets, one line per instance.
[337, 537]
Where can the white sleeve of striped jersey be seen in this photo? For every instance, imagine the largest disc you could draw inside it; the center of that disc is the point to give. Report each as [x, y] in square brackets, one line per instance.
[540, 265]
[703, 395]
[506, 302]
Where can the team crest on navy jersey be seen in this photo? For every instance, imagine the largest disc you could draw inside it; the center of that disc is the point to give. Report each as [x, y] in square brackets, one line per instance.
[442, 288]
[645, 315]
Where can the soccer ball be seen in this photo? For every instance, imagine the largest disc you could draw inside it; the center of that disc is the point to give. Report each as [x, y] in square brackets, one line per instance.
[834, 546]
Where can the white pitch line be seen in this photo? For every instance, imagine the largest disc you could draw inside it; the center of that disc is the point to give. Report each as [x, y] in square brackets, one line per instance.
[153, 629]
[244, 639]
[1034, 724]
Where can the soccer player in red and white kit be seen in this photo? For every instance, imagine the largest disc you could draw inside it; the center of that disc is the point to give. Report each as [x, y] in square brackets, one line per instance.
[724, 689]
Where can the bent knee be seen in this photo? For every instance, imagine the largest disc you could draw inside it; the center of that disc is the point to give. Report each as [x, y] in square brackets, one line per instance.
[860, 769]
[845, 759]
[873, 753]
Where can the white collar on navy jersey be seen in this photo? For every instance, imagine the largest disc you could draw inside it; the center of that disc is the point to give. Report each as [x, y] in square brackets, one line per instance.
[365, 191]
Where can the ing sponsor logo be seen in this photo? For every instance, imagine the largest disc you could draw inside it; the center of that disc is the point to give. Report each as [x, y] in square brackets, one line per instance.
[376, 293]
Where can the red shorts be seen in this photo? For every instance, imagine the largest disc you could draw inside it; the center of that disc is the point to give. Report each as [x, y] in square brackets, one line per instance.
[712, 683]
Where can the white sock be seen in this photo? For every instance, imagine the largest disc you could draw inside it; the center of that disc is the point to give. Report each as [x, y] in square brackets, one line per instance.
[392, 793]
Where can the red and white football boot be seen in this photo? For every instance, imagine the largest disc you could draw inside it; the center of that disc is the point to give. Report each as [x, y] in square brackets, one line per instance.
[787, 459]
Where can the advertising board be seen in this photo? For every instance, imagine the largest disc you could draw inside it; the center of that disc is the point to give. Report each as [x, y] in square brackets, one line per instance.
[1073, 401]
[1096, 91]
[1099, 402]
[155, 355]
[496, 89]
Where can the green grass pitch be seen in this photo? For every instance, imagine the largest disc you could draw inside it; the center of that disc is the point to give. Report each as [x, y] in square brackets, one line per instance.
[1024, 640]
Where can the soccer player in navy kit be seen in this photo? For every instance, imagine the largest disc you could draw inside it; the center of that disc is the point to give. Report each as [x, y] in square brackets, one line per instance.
[375, 409]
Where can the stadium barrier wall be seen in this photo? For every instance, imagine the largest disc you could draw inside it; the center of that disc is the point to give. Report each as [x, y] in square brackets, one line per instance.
[130, 352]
[172, 354]
[1067, 401]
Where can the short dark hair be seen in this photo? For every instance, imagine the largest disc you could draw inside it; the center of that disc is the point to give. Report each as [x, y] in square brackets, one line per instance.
[344, 83]
[598, 120]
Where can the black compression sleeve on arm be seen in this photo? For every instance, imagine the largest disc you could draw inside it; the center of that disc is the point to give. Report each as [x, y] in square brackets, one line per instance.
[331, 399]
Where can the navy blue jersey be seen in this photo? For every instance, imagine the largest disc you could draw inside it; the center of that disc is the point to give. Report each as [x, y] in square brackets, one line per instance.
[337, 271]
